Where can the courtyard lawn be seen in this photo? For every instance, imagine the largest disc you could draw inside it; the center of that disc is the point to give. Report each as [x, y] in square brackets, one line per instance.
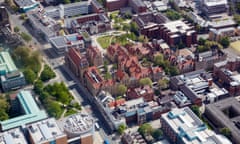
[236, 46]
[104, 41]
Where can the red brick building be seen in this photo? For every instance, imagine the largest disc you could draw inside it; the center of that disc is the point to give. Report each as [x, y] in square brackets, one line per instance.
[113, 5]
[94, 56]
[76, 62]
[146, 92]
[96, 7]
[137, 5]
[176, 32]
[226, 73]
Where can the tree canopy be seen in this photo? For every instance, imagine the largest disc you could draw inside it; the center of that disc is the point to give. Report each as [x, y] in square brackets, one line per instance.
[24, 58]
[47, 73]
[225, 42]
[121, 129]
[173, 15]
[163, 83]
[121, 89]
[145, 129]
[226, 132]
[29, 75]
[26, 37]
[145, 81]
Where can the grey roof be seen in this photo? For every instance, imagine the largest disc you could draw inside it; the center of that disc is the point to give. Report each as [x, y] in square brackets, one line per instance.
[215, 113]
[23, 3]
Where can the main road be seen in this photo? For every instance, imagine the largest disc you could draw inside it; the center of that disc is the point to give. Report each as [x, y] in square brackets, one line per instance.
[57, 63]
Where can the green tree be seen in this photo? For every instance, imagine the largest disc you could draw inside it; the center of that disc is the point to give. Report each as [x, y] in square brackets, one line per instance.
[26, 37]
[107, 76]
[196, 110]
[121, 129]
[157, 134]
[143, 39]
[145, 129]
[225, 42]
[26, 59]
[47, 73]
[63, 97]
[163, 83]
[145, 81]
[134, 28]
[237, 18]
[54, 109]
[16, 29]
[201, 41]
[158, 60]
[121, 89]
[66, 1]
[29, 75]
[173, 70]
[38, 86]
[173, 15]
[226, 132]
[3, 115]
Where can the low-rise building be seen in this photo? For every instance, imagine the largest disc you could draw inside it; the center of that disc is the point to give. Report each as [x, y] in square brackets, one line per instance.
[113, 5]
[76, 62]
[138, 6]
[218, 34]
[206, 60]
[93, 79]
[13, 136]
[132, 138]
[68, 10]
[79, 128]
[225, 114]
[61, 44]
[11, 77]
[46, 131]
[193, 84]
[26, 5]
[43, 26]
[106, 104]
[213, 7]
[146, 92]
[25, 104]
[176, 32]
[92, 23]
[149, 22]
[94, 56]
[96, 7]
[226, 74]
[183, 126]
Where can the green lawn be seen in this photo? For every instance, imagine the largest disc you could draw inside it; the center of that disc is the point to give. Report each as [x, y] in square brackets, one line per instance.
[104, 41]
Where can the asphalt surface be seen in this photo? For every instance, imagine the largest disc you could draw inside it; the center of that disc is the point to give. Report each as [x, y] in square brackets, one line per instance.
[64, 75]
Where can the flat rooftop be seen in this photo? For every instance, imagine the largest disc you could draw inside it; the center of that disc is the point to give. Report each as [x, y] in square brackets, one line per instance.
[215, 2]
[45, 130]
[78, 124]
[6, 63]
[62, 41]
[14, 136]
[25, 3]
[216, 113]
[189, 127]
[177, 26]
[30, 108]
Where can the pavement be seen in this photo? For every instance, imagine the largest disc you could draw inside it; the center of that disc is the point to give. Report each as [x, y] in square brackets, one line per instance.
[64, 75]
